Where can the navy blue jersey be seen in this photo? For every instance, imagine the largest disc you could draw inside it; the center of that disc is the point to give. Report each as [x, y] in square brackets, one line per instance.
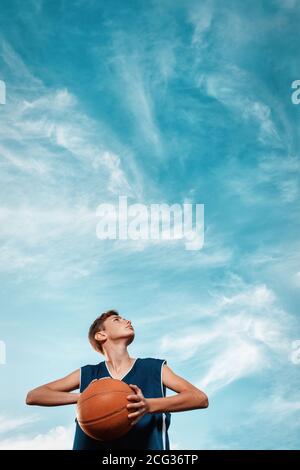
[151, 431]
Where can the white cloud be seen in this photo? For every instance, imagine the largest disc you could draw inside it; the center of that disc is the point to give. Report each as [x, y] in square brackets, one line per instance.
[10, 424]
[262, 113]
[117, 176]
[278, 408]
[38, 243]
[17, 66]
[55, 119]
[166, 60]
[33, 224]
[271, 170]
[136, 93]
[297, 278]
[233, 88]
[188, 344]
[44, 126]
[60, 99]
[58, 438]
[28, 165]
[238, 359]
[14, 259]
[246, 333]
[256, 297]
[201, 18]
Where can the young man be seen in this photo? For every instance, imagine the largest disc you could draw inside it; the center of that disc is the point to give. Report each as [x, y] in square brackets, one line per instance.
[149, 409]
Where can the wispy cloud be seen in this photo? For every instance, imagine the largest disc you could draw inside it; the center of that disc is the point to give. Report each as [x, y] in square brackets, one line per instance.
[58, 438]
[8, 424]
[281, 173]
[232, 87]
[243, 336]
[138, 97]
[278, 408]
[21, 76]
[200, 15]
[55, 123]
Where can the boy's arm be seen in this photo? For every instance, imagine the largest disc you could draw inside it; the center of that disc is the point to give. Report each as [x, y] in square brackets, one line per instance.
[188, 396]
[57, 392]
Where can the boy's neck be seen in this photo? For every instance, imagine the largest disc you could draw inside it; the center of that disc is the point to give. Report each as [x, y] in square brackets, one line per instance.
[118, 360]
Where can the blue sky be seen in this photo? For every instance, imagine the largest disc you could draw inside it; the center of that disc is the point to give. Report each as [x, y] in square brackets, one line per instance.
[162, 101]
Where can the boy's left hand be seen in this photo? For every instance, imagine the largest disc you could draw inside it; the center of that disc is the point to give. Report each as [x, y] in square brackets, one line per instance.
[139, 403]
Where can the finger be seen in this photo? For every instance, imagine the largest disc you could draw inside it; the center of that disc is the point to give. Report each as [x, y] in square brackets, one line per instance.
[136, 414]
[134, 397]
[136, 405]
[135, 387]
[135, 421]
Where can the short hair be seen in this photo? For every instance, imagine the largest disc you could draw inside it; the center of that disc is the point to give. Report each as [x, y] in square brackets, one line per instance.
[98, 325]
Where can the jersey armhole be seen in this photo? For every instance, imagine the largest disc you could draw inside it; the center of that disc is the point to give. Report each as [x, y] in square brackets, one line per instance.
[161, 380]
[163, 414]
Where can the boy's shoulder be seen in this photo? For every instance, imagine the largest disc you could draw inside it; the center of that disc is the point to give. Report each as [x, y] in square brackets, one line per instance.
[153, 362]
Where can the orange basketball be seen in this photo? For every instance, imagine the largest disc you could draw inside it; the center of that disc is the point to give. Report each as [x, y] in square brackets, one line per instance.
[102, 411]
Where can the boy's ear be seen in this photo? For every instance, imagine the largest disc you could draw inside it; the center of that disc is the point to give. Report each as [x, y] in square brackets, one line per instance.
[100, 336]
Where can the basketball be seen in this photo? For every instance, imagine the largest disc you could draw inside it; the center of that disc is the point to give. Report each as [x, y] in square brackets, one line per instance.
[102, 409]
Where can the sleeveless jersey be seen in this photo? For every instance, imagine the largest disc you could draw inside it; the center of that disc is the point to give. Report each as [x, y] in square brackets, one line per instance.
[151, 431]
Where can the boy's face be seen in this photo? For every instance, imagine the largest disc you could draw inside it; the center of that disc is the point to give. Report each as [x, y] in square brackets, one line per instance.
[117, 327]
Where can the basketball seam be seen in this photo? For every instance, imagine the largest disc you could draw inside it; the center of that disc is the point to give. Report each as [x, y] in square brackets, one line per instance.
[93, 421]
[98, 393]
